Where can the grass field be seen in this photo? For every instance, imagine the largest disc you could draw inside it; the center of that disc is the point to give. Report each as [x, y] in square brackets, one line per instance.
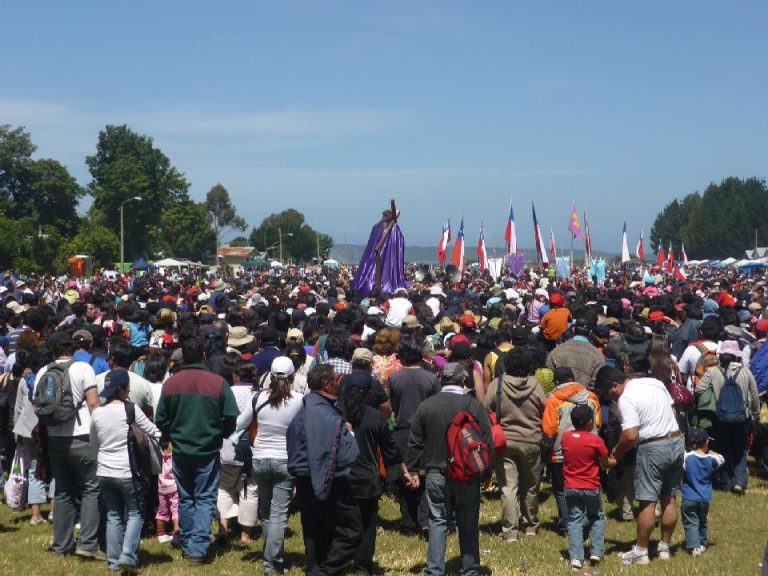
[738, 532]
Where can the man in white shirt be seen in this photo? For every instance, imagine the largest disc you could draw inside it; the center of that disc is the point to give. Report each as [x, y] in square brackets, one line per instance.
[709, 334]
[140, 391]
[72, 461]
[648, 422]
[398, 307]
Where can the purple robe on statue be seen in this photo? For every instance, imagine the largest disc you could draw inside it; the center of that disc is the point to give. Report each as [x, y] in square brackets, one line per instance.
[392, 261]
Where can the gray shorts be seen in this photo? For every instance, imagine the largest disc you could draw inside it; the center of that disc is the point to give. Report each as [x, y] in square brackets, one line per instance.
[659, 469]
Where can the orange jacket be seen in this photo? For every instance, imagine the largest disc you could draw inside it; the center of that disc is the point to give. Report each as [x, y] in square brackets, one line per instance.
[566, 396]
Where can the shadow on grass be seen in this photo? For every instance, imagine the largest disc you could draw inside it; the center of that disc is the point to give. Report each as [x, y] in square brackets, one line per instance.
[5, 529]
[147, 558]
[452, 566]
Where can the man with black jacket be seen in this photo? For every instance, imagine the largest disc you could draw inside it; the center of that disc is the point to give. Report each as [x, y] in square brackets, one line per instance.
[428, 453]
[321, 450]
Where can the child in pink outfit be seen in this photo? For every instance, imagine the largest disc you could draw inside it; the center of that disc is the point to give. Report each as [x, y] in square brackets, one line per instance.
[168, 495]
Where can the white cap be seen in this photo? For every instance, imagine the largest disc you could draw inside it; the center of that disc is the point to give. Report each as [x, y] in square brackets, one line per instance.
[282, 366]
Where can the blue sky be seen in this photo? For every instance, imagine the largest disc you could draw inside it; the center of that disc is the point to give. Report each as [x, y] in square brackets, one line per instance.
[450, 107]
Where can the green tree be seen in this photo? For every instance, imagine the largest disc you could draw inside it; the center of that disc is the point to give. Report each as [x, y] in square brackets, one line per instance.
[299, 239]
[223, 213]
[185, 231]
[672, 221]
[718, 223]
[16, 151]
[95, 240]
[127, 164]
[239, 241]
[56, 196]
[38, 201]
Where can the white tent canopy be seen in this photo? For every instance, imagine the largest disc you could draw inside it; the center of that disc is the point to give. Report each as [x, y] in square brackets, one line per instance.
[171, 263]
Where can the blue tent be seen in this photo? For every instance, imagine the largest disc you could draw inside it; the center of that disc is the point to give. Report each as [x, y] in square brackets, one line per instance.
[141, 264]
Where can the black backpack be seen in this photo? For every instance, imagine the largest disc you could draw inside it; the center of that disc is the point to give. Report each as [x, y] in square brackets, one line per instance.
[53, 400]
[144, 453]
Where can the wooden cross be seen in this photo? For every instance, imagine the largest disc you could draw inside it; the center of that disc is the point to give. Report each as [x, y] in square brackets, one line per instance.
[392, 221]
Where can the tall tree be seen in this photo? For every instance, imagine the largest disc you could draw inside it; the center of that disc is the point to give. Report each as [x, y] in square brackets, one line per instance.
[718, 223]
[185, 231]
[223, 213]
[16, 149]
[127, 164]
[300, 241]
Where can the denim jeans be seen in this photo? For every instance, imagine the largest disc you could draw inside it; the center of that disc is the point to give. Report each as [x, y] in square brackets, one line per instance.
[275, 489]
[197, 478]
[585, 509]
[558, 489]
[695, 523]
[73, 464]
[124, 500]
[463, 500]
[38, 491]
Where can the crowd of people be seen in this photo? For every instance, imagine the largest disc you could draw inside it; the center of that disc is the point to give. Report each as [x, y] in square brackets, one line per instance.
[269, 394]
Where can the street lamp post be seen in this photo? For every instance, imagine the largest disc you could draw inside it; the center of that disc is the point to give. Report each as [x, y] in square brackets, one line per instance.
[122, 232]
[280, 238]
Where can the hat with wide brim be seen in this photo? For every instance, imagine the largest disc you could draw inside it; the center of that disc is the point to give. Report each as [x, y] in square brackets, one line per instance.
[445, 326]
[238, 336]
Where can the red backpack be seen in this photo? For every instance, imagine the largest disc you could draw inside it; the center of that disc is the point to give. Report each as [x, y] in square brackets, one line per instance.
[468, 454]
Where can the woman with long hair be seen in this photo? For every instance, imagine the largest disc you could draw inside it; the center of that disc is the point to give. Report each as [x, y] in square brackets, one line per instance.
[385, 361]
[267, 418]
[663, 367]
[123, 493]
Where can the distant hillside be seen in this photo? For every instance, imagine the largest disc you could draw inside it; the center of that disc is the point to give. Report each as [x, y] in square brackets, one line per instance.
[428, 254]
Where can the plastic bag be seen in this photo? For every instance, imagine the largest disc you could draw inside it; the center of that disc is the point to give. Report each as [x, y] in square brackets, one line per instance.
[16, 487]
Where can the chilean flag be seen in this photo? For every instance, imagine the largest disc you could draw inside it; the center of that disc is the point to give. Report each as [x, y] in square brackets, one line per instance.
[670, 259]
[624, 247]
[457, 257]
[640, 248]
[482, 256]
[538, 239]
[509, 233]
[442, 246]
[660, 256]
[552, 246]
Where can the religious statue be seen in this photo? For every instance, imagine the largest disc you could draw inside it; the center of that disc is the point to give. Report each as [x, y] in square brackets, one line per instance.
[382, 266]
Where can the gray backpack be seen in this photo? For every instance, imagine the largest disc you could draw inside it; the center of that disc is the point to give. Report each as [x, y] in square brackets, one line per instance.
[53, 400]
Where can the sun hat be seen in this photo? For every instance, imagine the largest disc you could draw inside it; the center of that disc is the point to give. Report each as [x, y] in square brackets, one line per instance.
[729, 347]
[238, 336]
[445, 326]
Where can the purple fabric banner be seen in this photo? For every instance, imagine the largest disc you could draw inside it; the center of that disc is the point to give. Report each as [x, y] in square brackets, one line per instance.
[516, 263]
[392, 262]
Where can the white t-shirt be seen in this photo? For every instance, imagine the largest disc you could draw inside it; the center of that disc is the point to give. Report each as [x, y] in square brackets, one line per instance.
[82, 378]
[399, 308]
[690, 357]
[109, 438]
[273, 425]
[647, 405]
[140, 391]
[434, 305]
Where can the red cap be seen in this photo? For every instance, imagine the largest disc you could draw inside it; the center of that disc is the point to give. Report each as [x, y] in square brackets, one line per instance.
[458, 339]
[761, 326]
[556, 299]
[467, 321]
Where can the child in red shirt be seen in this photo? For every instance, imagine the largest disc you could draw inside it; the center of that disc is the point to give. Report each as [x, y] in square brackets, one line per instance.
[583, 455]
